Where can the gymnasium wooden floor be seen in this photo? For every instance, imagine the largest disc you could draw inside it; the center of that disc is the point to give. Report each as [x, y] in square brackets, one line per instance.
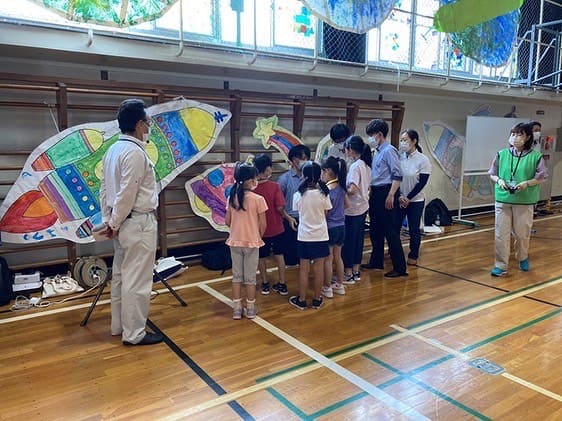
[389, 349]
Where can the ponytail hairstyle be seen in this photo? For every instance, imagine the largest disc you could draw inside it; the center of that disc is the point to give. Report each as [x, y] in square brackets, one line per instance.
[311, 173]
[414, 137]
[338, 167]
[356, 144]
[243, 172]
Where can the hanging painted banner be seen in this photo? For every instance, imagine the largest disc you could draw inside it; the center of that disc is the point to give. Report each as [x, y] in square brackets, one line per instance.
[208, 194]
[118, 13]
[271, 134]
[457, 16]
[323, 148]
[489, 43]
[446, 145]
[351, 15]
[57, 193]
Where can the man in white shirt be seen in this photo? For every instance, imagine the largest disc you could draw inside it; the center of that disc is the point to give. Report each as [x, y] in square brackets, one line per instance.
[129, 199]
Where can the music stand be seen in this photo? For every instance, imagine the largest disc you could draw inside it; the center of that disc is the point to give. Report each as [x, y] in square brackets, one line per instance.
[104, 284]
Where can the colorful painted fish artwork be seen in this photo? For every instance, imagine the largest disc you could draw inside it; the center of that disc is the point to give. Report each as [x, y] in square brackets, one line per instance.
[271, 134]
[446, 145]
[477, 186]
[322, 148]
[489, 42]
[351, 15]
[208, 194]
[57, 193]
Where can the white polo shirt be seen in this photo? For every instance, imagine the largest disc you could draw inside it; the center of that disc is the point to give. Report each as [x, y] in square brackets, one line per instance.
[413, 165]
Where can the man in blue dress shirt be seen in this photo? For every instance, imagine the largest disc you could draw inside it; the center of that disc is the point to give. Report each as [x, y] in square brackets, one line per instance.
[386, 176]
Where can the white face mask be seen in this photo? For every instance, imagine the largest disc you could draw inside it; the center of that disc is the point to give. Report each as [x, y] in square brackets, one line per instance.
[511, 139]
[404, 147]
[372, 141]
[302, 164]
[519, 142]
[145, 137]
[536, 135]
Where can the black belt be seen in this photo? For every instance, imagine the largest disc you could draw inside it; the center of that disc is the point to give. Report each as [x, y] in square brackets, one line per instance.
[130, 215]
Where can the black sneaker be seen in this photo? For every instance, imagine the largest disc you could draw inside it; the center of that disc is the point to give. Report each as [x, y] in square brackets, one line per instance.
[296, 302]
[265, 288]
[148, 339]
[317, 303]
[280, 288]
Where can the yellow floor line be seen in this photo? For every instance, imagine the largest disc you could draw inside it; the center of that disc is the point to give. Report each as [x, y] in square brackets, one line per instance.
[322, 360]
[467, 357]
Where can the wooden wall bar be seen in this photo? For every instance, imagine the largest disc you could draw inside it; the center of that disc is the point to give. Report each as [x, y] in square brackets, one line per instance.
[178, 227]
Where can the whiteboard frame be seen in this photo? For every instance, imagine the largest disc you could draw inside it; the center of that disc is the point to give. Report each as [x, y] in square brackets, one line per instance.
[484, 143]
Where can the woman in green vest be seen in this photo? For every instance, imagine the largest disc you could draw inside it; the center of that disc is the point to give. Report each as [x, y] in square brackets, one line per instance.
[516, 172]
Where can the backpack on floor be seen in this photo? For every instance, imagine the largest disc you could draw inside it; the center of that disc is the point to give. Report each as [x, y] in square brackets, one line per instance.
[437, 208]
[217, 258]
[6, 280]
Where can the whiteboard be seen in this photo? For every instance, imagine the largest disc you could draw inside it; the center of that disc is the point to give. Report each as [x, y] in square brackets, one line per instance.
[484, 137]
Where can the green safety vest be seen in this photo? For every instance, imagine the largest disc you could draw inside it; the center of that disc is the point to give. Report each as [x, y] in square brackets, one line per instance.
[524, 169]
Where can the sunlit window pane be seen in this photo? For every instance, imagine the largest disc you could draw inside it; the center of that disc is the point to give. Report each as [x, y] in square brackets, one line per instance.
[427, 7]
[197, 17]
[426, 45]
[395, 39]
[405, 5]
[293, 24]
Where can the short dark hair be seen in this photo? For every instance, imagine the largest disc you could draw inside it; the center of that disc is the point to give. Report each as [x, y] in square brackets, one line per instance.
[131, 111]
[377, 125]
[339, 132]
[262, 162]
[298, 151]
[535, 123]
[527, 130]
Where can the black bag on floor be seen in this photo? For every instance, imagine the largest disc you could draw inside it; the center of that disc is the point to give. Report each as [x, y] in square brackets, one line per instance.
[6, 280]
[217, 258]
[433, 209]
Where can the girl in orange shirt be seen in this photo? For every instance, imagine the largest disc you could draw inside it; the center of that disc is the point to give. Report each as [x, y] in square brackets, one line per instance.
[245, 215]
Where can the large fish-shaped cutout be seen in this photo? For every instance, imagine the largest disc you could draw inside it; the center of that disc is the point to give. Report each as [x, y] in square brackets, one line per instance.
[446, 145]
[208, 194]
[57, 192]
[322, 148]
[271, 134]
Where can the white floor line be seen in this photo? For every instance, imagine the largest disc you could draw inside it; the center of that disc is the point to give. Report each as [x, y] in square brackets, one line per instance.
[467, 357]
[326, 362]
[225, 278]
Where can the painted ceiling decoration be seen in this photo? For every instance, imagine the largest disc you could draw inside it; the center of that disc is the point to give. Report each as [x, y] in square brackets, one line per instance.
[120, 13]
[488, 40]
[351, 15]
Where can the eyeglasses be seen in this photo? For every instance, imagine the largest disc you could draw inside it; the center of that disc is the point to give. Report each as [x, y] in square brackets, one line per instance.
[148, 121]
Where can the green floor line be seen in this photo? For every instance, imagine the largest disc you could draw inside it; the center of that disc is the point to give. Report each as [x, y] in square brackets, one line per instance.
[330, 355]
[489, 300]
[407, 376]
[425, 386]
[338, 405]
[295, 409]
[511, 331]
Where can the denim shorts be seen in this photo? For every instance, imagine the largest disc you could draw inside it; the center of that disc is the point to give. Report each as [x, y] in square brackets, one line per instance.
[310, 250]
[337, 236]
